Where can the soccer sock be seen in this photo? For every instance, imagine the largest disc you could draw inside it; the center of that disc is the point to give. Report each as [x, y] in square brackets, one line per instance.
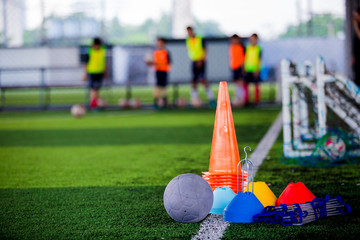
[239, 92]
[155, 101]
[194, 94]
[93, 103]
[257, 93]
[246, 92]
[210, 94]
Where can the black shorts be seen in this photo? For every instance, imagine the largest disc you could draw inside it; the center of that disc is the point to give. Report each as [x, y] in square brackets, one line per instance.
[250, 78]
[198, 72]
[237, 74]
[95, 80]
[161, 78]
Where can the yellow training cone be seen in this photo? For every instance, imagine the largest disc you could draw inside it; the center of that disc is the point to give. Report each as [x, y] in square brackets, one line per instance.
[263, 193]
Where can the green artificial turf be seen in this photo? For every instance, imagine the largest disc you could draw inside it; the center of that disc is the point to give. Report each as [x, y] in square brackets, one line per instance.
[103, 176]
[89, 213]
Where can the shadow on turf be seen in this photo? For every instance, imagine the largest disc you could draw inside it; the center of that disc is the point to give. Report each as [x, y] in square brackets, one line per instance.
[121, 136]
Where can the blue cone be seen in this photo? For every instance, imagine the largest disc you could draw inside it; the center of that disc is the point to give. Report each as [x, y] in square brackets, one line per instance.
[242, 208]
[222, 197]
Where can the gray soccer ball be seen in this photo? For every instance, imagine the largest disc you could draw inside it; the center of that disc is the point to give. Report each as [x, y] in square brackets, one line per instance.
[188, 198]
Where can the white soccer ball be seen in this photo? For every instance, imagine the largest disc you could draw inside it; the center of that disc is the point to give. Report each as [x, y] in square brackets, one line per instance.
[188, 198]
[135, 103]
[102, 103]
[78, 110]
[196, 102]
[333, 149]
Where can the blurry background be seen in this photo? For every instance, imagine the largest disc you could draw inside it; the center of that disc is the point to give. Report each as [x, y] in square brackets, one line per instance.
[43, 42]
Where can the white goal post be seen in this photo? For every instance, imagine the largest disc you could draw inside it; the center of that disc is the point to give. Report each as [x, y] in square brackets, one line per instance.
[299, 137]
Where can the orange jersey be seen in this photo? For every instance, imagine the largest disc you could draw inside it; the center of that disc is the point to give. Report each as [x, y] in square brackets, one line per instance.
[237, 56]
[161, 60]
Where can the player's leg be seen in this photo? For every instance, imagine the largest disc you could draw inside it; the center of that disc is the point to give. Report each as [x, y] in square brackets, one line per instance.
[92, 103]
[209, 93]
[164, 91]
[235, 79]
[239, 92]
[248, 77]
[95, 84]
[205, 83]
[257, 92]
[94, 95]
[157, 90]
[156, 95]
[164, 96]
[195, 78]
[239, 87]
[257, 88]
[246, 93]
[163, 83]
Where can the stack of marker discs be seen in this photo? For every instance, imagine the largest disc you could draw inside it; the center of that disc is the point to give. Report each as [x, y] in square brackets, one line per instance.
[220, 180]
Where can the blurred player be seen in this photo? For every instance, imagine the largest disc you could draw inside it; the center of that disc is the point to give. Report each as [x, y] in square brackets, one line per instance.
[95, 70]
[237, 57]
[197, 54]
[161, 62]
[252, 68]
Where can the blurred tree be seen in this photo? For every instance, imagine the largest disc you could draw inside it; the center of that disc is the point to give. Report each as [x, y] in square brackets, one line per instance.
[115, 31]
[209, 29]
[150, 29]
[118, 33]
[32, 37]
[163, 28]
[322, 25]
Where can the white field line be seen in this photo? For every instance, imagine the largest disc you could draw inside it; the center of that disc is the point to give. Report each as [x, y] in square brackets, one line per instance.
[214, 227]
[262, 149]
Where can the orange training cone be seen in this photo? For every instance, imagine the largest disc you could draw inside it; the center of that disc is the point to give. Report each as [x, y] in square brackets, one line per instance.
[224, 155]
